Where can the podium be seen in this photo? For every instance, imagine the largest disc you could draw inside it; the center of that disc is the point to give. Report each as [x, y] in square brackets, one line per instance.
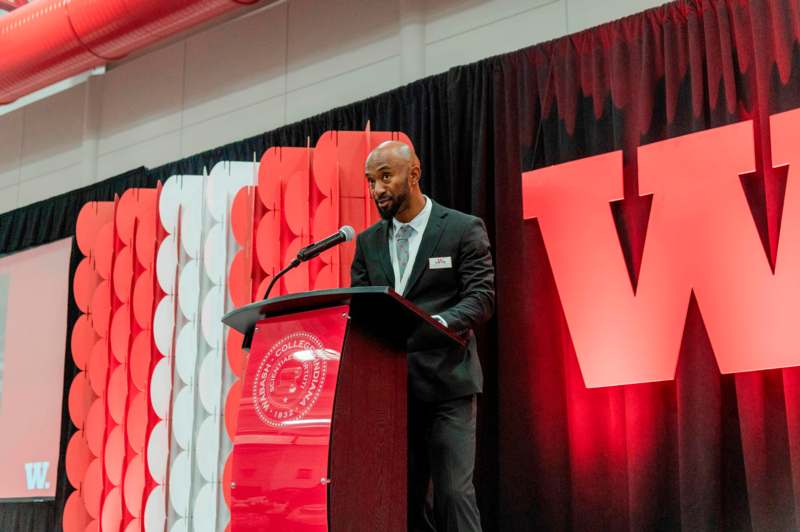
[321, 441]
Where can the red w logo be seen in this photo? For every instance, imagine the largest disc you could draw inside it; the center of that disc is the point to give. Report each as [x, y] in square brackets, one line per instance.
[701, 237]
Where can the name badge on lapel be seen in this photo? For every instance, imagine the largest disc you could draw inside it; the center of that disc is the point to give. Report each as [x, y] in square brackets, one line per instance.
[440, 263]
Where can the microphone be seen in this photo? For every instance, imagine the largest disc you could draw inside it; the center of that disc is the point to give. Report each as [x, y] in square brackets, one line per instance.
[344, 234]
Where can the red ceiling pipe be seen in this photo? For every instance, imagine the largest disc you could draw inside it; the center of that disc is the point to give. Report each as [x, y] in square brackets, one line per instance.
[46, 41]
[11, 5]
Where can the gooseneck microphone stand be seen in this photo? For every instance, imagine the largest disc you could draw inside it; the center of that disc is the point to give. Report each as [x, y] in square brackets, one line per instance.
[294, 264]
[344, 234]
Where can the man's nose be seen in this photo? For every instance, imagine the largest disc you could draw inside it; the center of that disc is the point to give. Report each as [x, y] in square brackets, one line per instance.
[379, 188]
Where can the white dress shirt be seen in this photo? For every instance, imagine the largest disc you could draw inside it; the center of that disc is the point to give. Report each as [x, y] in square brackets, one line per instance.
[419, 223]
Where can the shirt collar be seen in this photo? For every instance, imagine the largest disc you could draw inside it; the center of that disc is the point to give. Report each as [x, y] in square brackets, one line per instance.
[420, 220]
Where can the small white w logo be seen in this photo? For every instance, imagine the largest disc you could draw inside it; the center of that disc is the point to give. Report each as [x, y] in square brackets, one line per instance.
[35, 475]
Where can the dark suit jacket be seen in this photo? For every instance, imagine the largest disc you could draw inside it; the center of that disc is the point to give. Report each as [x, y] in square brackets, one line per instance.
[463, 295]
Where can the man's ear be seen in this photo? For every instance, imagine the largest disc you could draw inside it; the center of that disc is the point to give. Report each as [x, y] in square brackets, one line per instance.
[416, 174]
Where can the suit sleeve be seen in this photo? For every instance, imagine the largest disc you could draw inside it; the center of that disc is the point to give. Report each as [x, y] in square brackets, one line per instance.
[476, 280]
[358, 270]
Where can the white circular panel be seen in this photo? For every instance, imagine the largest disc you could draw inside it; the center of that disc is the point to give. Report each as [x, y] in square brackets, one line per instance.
[182, 416]
[166, 264]
[186, 352]
[211, 381]
[205, 510]
[238, 174]
[160, 385]
[191, 228]
[207, 448]
[189, 289]
[164, 325]
[225, 180]
[180, 477]
[154, 511]
[214, 254]
[158, 452]
[217, 190]
[169, 202]
[181, 525]
[191, 189]
[211, 318]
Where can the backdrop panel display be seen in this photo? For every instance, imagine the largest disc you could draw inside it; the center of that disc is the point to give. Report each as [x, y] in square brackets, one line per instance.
[33, 324]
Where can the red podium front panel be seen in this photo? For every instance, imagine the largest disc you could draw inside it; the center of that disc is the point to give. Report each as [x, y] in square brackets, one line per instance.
[281, 448]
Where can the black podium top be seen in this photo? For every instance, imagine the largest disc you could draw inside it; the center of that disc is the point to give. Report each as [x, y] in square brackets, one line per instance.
[374, 306]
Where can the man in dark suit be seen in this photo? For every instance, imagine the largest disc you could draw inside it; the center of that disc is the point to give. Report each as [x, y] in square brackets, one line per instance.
[438, 258]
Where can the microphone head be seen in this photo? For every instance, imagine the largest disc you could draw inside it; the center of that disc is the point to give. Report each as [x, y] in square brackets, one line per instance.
[348, 232]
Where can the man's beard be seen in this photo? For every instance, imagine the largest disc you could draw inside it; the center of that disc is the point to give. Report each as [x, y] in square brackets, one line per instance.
[395, 204]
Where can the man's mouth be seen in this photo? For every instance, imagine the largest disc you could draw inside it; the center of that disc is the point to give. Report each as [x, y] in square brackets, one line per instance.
[383, 203]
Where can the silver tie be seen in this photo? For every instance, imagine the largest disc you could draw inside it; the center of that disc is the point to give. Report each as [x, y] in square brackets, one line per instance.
[401, 241]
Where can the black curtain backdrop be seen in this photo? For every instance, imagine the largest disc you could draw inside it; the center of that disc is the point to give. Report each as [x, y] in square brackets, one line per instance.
[703, 452]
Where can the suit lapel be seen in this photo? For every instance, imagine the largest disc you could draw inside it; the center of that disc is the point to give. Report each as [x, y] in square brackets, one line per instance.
[430, 238]
[383, 252]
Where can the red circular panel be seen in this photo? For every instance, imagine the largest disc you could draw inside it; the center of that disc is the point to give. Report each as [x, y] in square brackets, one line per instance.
[103, 250]
[92, 488]
[123, 274]
[237, 358]
[269, 181]
[121, 333]
[75, 516]
[84, 283]
[143, 299]
[242, 215]
[268, 243]
[146, 241]
[135, 525]
[94, 526]
[127, 209]
[232, 408]
[140, 360]
[100, 309]
[114, 455]
[133, 489]
[327, 277]
[295, 280]
[82, 340]
[326, 220]
[227, 476]
[136, 422]
[95, 427]
[92, 217]
[112, 510]
[148, 201]
[326, 164]
[262, 288]
[80, 399]
[296, 196]
[117, 393]
[98, 367]
[78, 459]
[239, 279]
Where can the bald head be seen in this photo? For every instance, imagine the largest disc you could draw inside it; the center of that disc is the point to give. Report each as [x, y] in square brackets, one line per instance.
[394, 149]
[393, 172]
